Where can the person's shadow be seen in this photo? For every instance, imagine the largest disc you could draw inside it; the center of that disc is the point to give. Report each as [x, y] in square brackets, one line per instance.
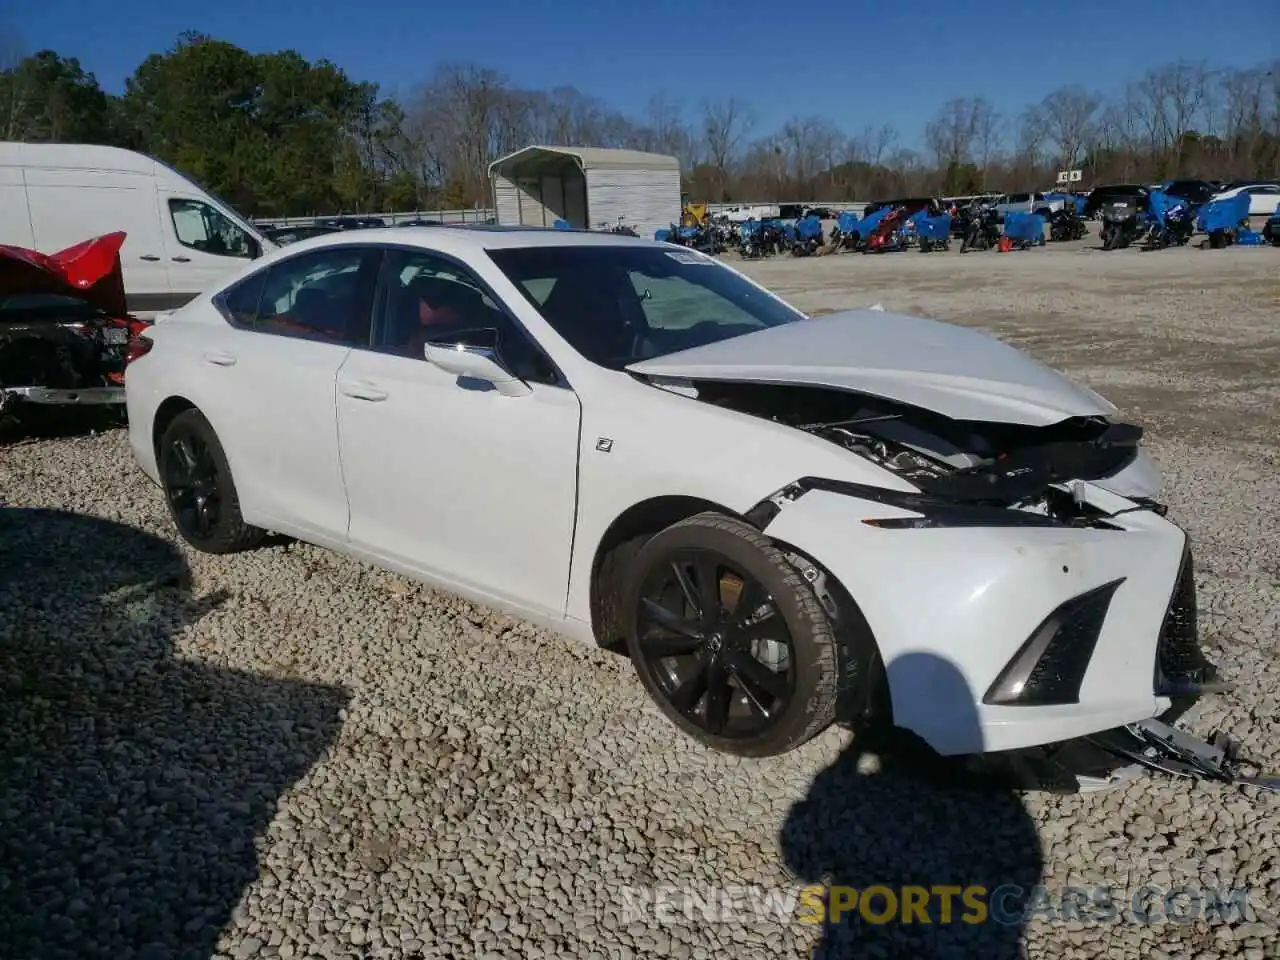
[918, 822]
[133, 784]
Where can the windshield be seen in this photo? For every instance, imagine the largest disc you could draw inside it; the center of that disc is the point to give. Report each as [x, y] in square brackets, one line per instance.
[617, 305]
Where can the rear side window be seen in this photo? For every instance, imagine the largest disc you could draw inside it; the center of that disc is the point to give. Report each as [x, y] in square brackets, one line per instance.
[324, 295]
[240, 303]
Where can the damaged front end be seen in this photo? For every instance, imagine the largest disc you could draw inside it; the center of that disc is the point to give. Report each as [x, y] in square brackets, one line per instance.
[1006, 475]
[65, 334]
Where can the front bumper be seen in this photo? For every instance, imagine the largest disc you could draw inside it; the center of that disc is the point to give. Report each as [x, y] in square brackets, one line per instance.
[950, 608]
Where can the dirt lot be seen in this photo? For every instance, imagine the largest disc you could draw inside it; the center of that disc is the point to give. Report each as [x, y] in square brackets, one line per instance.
[288, 754]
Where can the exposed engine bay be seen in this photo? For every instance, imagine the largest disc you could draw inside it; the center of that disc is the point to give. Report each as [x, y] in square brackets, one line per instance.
[996, 464]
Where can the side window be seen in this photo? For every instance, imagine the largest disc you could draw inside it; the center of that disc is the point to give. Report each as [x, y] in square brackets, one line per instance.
[428, 299]
[323, 295]
[204, 228]
[240, 303]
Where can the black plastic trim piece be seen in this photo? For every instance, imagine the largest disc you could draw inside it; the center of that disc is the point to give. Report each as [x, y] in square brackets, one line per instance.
[1049, 667]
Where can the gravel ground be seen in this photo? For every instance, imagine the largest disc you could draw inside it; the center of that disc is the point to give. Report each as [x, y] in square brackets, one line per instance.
[288, 753]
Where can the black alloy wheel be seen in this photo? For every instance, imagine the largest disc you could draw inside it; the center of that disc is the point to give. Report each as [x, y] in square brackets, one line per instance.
[192, 485]
[199, 489]
[731, 641]
[715, 644]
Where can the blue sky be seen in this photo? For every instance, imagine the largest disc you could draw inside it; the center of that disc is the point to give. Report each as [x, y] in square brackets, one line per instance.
[857, 62]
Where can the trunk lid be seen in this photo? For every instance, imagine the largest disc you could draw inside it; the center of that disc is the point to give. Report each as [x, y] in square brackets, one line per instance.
[89, 271]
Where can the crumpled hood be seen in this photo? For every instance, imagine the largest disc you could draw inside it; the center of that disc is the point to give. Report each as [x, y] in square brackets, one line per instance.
[960, 372]
[90, 271]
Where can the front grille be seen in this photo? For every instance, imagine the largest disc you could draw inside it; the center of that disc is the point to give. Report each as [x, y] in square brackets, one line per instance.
[1181, 667]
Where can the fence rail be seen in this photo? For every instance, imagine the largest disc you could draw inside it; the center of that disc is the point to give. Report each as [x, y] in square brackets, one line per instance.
[480, 215]
[445, 216]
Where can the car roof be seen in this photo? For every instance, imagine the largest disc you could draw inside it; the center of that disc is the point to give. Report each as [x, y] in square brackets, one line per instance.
[470, 238]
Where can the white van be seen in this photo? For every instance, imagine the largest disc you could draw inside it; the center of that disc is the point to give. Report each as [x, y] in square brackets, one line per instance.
[179, 241]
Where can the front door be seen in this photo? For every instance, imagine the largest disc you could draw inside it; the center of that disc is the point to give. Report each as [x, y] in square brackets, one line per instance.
[448, 477]
[202, 245]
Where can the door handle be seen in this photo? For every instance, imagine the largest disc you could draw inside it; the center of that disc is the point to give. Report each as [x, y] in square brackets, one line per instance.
[181, 259]
[149, 256]
[220, 359]
[363, 390]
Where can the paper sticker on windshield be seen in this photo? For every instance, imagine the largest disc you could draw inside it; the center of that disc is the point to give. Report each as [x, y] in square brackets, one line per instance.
[688, 256]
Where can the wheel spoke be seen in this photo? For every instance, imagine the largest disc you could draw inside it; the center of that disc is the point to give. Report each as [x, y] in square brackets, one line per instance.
[658, 644]
[671, 621]
[686, 696]
[187, 454]
[761, 684]
[688, 589]
[750, 599]
[708, 572]
[718, 699]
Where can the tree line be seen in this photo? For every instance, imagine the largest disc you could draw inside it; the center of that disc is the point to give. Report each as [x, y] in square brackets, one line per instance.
[278, 135]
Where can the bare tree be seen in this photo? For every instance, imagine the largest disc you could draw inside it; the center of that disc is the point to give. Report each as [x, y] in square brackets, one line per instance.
[871, 145]
[1068, 114]
[953, 132]
[1172, 98]
[724, 124]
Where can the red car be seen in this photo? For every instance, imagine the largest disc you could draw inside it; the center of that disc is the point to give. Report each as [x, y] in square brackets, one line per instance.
[65, 334]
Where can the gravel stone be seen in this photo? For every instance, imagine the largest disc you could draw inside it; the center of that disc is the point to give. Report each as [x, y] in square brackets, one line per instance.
[288, 753]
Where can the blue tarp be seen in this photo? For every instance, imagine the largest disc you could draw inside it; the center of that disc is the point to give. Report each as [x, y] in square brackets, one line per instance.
[1024, 227]
[847, 223]
[1223, 214]
[935, 228]
[810, 228]
[562, 225]
[662, 236]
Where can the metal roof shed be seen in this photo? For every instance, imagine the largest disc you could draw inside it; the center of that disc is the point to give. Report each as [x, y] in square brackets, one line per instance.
[588, 187]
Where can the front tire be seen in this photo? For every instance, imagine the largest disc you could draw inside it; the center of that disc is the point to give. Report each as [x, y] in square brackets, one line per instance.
[729, 639]
[198, 487]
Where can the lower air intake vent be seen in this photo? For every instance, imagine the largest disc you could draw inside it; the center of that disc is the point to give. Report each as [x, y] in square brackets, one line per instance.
[1181, 668]
[1050, 666]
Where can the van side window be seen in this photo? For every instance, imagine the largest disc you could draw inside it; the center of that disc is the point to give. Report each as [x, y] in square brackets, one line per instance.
[204, 228]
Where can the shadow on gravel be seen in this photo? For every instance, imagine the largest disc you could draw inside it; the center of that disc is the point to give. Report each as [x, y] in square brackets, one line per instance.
[914, 824]
[132, 784]
[38, 422]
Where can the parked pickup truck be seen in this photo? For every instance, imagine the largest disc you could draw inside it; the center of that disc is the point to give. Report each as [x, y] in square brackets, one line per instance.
[1026, 203]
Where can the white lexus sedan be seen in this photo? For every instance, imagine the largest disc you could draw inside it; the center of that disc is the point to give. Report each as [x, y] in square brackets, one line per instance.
[785, 521]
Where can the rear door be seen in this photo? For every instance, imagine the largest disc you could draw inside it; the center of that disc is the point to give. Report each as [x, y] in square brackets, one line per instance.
[71, 205]
[269, 378]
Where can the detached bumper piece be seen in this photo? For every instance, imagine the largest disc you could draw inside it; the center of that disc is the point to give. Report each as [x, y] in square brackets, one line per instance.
[1158, 746]
[89, 396]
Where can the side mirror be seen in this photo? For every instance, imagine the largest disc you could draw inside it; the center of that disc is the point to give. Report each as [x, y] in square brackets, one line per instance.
[252, 247]
[477, 363]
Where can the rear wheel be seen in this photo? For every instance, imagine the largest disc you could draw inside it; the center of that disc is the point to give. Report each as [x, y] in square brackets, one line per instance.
[198, 487]
[729, 639]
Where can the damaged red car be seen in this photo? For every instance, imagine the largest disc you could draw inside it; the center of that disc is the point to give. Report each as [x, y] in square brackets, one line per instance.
[65, 334]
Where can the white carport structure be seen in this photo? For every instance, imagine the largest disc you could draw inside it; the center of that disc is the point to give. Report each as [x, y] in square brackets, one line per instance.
[587, 187]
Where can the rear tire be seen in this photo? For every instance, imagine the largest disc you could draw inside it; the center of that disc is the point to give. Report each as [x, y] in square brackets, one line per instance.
[756, 681]
[198, 487]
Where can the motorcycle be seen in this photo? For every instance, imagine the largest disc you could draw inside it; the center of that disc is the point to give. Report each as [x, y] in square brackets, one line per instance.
[808, 237]
[983, 230]
[1174, 222]
[1066, 224]
[1124, 220]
